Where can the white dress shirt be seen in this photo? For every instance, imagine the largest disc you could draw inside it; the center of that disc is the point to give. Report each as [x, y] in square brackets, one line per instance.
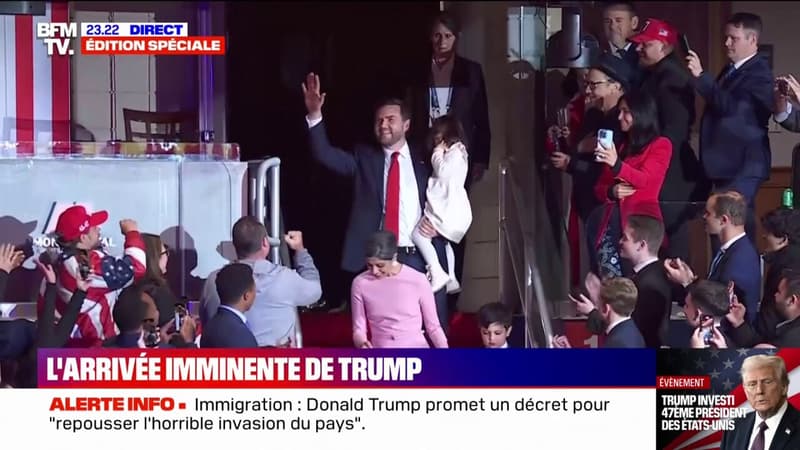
[410, 210]
[615, 323]
[739, 64]
[638, 268]
[235, 311]
[772, 427]
[728, 244]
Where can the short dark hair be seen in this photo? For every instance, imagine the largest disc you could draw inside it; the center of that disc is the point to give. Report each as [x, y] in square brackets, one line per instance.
[382, 245]
[710, 296]
[495, 312]
[248, 234]
[394, 101]
[448, 20]
[647, 229]
[748, 21]
[731, 204]
[233, 281]
[645, 127]
[625, 6]
[129, 310]
[792, 277]
[783, 222]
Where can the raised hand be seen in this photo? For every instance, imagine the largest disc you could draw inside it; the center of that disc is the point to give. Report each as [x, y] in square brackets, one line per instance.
[10, 258]
[294, 239]
[314, 99]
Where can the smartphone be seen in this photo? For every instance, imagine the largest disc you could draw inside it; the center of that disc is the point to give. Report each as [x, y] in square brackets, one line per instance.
[180, 313]
[605, 138]
[731, 295]
[685, 44]
[707, 332]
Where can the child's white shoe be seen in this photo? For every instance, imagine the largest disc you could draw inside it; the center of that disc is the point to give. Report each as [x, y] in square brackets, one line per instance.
[439, 278]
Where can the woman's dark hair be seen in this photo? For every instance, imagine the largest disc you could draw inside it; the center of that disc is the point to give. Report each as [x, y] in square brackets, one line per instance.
[570, 86]
[70, 249]
[645, 127]
[152, 253]
[783, 222]
[450, 129]
[382, 245]
[449, 21]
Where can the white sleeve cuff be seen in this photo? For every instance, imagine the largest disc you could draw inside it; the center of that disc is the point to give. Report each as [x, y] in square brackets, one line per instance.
[314, 122]
[781, 117]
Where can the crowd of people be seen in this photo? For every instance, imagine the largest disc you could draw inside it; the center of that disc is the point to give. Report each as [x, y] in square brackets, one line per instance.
[627, 147]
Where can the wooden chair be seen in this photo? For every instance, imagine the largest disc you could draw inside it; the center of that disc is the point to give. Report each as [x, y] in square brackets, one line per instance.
[177, 126]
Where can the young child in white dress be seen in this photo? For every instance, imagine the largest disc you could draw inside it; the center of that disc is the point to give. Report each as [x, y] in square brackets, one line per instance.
[447, 207]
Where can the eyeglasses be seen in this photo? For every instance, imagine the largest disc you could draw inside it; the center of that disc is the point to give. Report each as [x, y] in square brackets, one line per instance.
[593, 84]
[752, 385]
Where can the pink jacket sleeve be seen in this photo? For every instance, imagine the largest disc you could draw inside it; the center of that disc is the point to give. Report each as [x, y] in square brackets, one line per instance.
[358, 314]
[430, 319]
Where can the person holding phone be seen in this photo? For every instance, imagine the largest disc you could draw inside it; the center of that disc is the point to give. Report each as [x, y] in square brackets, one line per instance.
[631, 180]
[786, 92]
[706, 304]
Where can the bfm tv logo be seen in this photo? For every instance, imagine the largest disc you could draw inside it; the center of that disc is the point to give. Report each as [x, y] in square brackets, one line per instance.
[47, 240]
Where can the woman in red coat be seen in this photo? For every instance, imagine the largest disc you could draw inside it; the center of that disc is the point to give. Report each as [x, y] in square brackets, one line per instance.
[631, 179]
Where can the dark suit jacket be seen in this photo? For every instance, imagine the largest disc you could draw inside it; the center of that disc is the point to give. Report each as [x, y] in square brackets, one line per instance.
[226, 330]
[786, 436]
[792, 123]
[631, 56]
[624, 335]
[365, 166]
[469, 104]
[669, 83]
[653, 306]
[768, 317]
[733, 133]
[742, 265]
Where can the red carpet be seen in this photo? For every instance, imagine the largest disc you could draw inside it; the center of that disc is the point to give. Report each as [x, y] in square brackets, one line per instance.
[335, 330]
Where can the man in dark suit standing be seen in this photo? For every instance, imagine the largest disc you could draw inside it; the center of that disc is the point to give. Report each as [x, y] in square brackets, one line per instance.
[734, 146]
[389, 184]
[774, 423]
[787, 306]
[237, 292]
[620, 22]
[615, 304]
[666, 79]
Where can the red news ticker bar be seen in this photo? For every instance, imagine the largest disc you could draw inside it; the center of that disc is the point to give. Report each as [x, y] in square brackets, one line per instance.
[683, 382]
[176, 45]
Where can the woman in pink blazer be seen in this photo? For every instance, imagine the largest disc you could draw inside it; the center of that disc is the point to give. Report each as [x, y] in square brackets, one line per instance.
[391, 301]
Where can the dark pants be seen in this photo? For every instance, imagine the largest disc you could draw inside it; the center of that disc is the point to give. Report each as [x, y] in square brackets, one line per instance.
[748, 187]
[415, 261]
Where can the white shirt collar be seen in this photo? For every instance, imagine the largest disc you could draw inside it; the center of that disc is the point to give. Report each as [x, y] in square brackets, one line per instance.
[404, 151]
[772, 426]
[615, 323]
[739, 64]
[638, 268]
[728, 244]
[235, 311]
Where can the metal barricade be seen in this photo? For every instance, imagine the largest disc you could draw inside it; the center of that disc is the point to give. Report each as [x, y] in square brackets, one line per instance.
[268, 178]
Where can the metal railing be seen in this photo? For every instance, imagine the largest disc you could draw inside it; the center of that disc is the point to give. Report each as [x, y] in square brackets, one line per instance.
[520, 278]
[268, 178]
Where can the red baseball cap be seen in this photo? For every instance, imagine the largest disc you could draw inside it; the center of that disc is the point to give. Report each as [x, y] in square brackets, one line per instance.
[656, 30]
[75, 221]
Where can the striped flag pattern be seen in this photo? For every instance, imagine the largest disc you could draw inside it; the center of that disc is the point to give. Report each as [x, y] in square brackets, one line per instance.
[724, 369]
[35, 86]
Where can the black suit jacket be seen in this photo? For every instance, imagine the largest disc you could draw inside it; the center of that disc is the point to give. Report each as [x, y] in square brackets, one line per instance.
[786, 436]
[653, 306]
[226, 330]
[768, 317]
[365, 166]
[469, 104]
[742, 265]
[733, 133]
[631, 56]
[669, 83]
[624, 335]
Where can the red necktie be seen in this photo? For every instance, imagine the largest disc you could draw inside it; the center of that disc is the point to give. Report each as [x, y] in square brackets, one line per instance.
[391, 221]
